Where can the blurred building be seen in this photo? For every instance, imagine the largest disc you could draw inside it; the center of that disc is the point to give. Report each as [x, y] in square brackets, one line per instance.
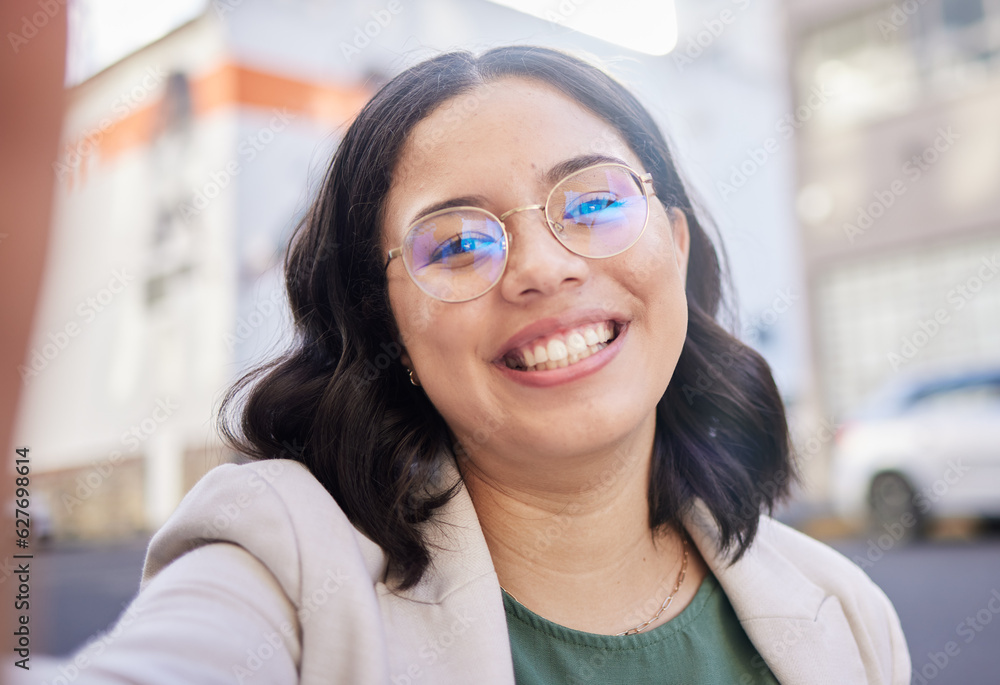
[181, 169]
[898, 197]
[187, 163]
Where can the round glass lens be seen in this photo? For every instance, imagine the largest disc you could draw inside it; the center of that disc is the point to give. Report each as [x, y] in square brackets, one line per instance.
[456, 254]
[599, 211]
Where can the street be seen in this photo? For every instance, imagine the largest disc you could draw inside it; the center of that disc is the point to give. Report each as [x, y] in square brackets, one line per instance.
[947, 594]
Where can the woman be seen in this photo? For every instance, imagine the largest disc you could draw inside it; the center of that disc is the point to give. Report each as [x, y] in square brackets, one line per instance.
[512, 442]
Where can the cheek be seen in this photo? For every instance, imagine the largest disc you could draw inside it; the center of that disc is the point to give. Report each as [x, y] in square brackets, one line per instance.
[651, 265]
[415, 315]
[439, 337]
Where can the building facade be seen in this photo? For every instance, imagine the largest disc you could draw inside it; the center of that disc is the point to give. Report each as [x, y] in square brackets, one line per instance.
[898, 190]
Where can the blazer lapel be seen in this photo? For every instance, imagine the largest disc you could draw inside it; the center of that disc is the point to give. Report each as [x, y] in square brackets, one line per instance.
[800, 630]
[451, 626]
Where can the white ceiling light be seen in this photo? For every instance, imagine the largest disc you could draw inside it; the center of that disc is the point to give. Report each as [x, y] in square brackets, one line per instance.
[648, 26]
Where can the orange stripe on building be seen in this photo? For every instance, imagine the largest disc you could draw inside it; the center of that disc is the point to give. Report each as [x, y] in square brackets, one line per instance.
[228, 85]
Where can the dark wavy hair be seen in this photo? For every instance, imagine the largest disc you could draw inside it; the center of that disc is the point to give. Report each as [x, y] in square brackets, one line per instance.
[340, 402]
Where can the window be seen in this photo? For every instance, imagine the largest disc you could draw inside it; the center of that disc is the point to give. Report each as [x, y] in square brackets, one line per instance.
[884, 60]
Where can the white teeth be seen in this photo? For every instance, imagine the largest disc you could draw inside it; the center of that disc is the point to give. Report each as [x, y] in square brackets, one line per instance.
[541, 356]
[561, 352]
[575, 343]
[557, 350]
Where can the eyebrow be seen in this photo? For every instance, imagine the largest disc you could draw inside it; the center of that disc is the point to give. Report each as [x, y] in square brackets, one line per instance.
[464, 201]
[564, 169]
[553, 176]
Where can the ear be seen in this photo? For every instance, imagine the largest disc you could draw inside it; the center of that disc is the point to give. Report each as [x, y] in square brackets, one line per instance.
[681, 234]
[404, 355]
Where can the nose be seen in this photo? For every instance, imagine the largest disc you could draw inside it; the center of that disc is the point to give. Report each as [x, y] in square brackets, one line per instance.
[537, 263]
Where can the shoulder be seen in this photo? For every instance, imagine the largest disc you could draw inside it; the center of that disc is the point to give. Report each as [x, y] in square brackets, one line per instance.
[277, 511]
[819, 562]
[799, 599]
[781, 554]
[870, 615]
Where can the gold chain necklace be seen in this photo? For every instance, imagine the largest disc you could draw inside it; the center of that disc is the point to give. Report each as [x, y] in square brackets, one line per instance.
[663, 607]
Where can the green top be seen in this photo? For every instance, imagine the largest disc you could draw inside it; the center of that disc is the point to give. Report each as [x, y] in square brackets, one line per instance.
[705, 643]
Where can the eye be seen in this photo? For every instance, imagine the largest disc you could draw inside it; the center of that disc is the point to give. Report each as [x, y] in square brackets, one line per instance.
[463, 249]
[594, 207]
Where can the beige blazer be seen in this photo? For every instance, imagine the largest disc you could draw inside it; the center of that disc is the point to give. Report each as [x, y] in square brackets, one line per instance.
[297, 598]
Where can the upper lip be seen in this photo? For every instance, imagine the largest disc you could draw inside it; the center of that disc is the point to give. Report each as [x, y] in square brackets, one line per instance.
[549, 325]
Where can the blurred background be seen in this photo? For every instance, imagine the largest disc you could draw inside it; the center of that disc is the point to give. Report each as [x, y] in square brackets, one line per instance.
[848, 152]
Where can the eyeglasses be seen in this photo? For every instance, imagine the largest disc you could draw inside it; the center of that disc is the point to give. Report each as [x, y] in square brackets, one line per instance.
[460, 253]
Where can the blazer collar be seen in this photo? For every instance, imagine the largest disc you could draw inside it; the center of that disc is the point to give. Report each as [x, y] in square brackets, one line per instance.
[459, 554]
[764, 582]
[797, 627]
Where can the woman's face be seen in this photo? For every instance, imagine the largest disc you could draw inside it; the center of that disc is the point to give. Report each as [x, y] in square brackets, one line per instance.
[496, 147]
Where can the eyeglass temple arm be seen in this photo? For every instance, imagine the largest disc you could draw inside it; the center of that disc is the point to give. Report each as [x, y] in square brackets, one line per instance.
[393, 253]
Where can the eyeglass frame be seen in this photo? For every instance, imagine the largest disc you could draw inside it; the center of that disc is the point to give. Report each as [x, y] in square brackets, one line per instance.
[645, 184]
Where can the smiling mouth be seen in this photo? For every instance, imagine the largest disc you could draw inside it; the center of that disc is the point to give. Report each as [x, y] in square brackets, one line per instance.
[562, 349]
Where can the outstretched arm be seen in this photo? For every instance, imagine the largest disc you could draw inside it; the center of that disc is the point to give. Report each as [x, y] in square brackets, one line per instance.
[215, 615]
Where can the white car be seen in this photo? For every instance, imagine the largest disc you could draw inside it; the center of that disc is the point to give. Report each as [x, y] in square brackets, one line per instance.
[921, 448]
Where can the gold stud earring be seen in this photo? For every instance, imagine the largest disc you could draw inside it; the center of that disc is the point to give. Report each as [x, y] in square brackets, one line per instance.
[413, 379]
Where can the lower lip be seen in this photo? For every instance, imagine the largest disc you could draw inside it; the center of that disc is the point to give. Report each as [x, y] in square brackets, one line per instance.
[566, 374]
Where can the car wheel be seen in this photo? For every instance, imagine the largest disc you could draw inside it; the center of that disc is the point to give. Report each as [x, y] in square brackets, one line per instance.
[893, 509]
